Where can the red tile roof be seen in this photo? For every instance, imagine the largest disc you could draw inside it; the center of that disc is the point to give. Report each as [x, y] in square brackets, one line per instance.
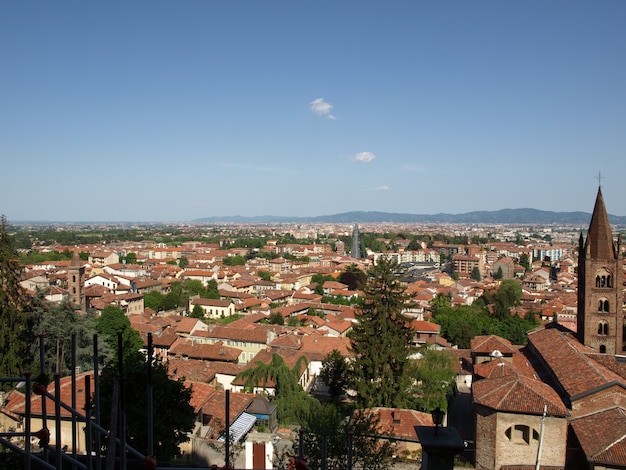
[212, 352]
[487, 344]
[400, 423]
[576, 372]
[518, 394]
[603, 436]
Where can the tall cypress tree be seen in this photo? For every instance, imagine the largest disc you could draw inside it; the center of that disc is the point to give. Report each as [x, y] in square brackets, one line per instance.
[14, 305]
[381, 340]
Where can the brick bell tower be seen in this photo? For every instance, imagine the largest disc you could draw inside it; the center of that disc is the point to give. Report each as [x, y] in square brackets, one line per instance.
[76, 282]
[600, 278]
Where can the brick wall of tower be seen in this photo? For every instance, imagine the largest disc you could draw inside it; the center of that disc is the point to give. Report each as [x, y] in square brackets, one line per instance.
[76, 286]
[589, 304]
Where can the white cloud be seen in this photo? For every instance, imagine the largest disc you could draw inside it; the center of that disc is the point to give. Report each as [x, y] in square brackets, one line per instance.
[364, 157]
[322, 108]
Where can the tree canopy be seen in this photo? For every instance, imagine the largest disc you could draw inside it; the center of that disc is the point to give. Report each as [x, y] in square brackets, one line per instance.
[173, 416]
[112, 321]
[15, 317]
[381, 340]
[434, 380]
[57, 323]
[335, 374]
[462, 323]
[292, 401]
[326, 421]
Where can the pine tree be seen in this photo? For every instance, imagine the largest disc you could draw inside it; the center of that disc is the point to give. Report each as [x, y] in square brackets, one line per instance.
[381, 340]
[14, 309]
[173, 416]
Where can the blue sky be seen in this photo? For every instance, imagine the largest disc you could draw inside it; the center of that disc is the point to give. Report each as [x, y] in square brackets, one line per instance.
[170, 111]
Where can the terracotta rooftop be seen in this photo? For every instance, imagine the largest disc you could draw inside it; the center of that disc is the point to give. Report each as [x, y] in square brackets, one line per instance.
[399, 422]
[517, 394]
[212, 352]
[565, 357]
[488, 344]
[603, 436]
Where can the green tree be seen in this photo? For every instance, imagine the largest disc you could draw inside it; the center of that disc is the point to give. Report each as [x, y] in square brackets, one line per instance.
[183, 262]
[173, 416]
[193, 287]
[335, 374]
[524, 261]
[321, 278]
[170, 301]
[475, 274]
[381, 340]
[439, 302]
[459, 325]
[353, 277]
[237, 260]
[197, 312]
[130, 258]
[276, 318]
[177, 291]
[326, 421]
[154, 300]
[499, 274]
[291, 400]
[112, 321]
[265, 275]
[434, 380]
[57, 324]
[211, 291]
[509, 294]
[15, 319]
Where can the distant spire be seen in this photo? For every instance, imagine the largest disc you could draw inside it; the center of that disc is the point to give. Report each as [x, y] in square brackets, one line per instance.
[356, 243]
[600, 237]
[75, 259]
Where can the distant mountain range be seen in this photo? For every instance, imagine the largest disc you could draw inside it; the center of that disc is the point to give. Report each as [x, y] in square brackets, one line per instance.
[503, 216]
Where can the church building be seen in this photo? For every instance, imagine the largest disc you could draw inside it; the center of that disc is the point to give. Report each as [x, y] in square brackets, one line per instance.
[600, 320]
[560, 401]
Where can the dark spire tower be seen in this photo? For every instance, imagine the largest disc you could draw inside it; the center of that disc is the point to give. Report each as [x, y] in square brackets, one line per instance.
[600, 320]
[356, 243]
[76, 282]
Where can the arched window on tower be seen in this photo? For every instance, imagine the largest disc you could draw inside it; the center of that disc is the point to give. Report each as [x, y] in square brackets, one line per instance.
[603, 305]
[602, 349]
[604, 279]
[603, 328]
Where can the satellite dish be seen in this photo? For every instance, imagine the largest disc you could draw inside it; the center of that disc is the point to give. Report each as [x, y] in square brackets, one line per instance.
[495, 353]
